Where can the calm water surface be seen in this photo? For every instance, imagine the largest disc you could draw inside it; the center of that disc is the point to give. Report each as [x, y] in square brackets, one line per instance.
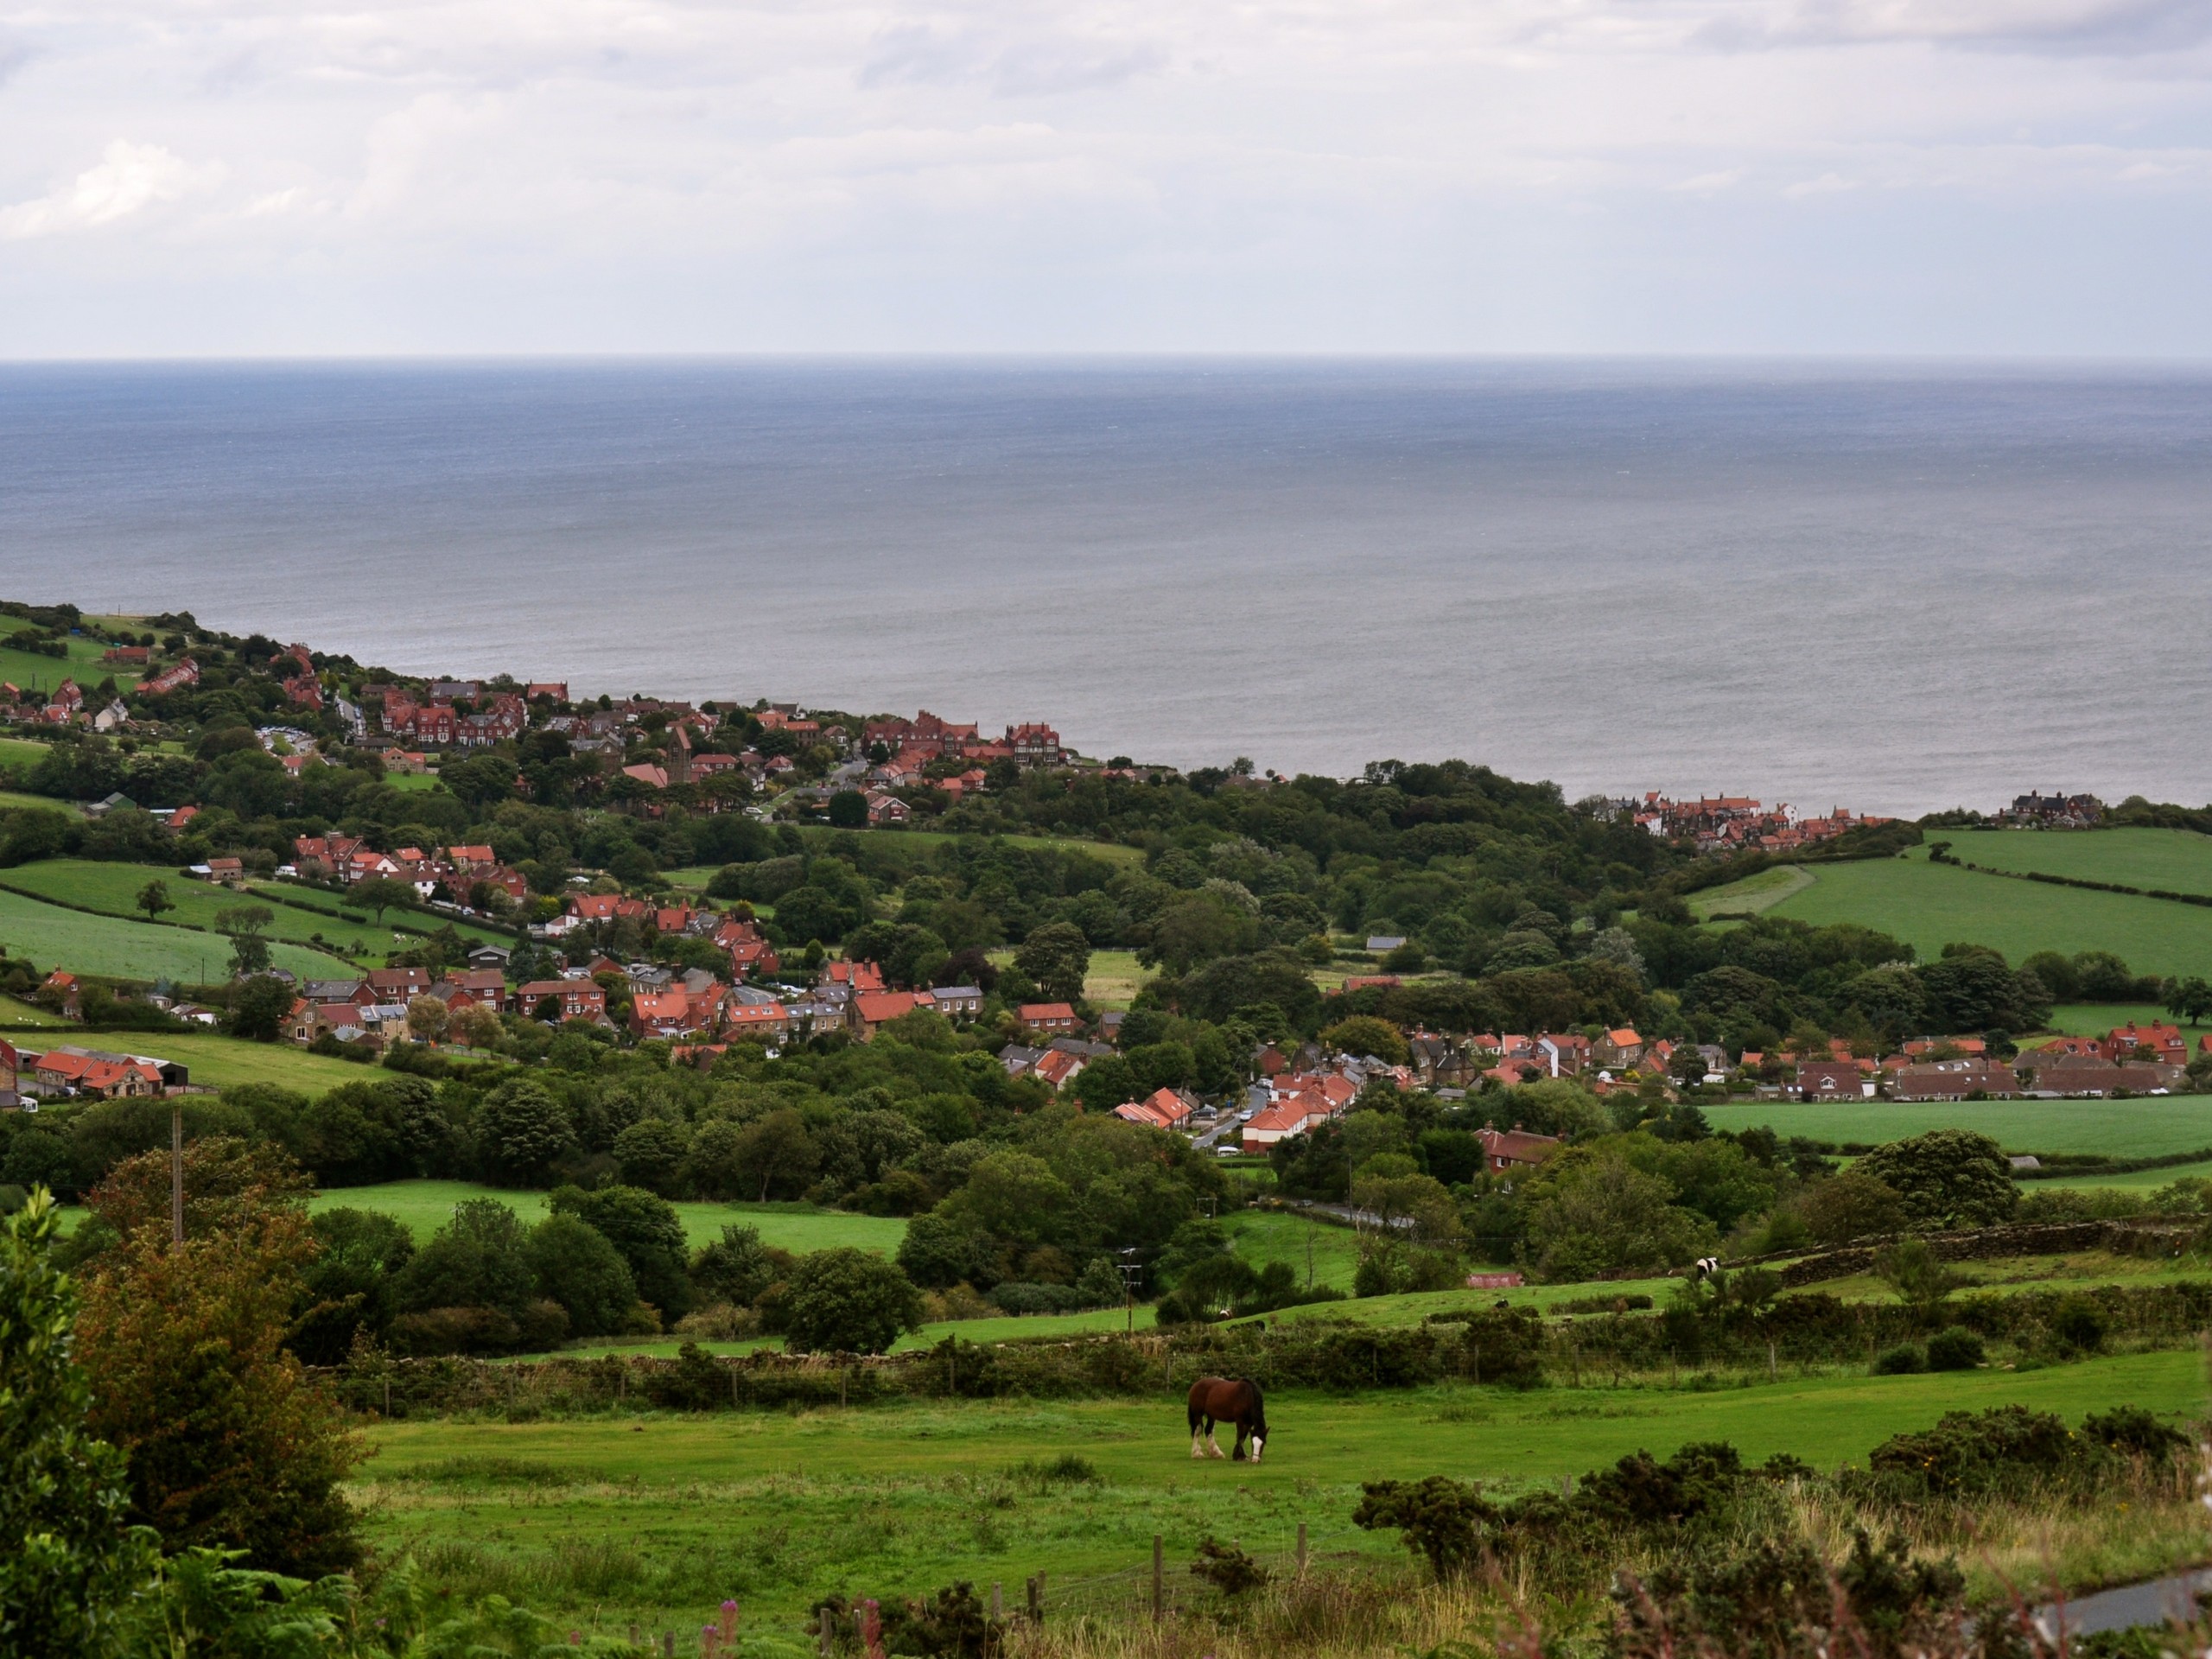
[1896, 588]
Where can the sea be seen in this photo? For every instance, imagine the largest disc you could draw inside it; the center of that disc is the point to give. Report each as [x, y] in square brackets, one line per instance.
[1890, 587]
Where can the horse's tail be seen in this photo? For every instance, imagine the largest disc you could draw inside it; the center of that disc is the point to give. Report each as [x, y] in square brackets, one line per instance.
[1259, 1409]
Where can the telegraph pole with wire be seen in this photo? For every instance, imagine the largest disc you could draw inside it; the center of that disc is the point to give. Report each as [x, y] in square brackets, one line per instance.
[1132, 1270]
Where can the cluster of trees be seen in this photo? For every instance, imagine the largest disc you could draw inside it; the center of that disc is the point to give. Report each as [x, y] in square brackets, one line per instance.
[1640, 1186]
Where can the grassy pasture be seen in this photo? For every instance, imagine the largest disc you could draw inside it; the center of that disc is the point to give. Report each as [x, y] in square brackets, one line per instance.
[20, 751]
[2095, 1018]
[83, 665]
[291, 899]
[15, 1014]
[1113, 977]
[658, 1517]
[2177, 860]
[226, 1062]
[55, 938]
[15, 800]
[1929, 906]
[1754, 894]
[113, 889]
[423, 1206]
[2123, 1129]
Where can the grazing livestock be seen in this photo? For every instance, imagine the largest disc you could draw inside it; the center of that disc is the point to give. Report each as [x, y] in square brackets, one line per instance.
[1227, 1399]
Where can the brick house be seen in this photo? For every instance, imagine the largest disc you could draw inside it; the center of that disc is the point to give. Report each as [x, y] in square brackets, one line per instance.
[580, 999]
[1050, 1016]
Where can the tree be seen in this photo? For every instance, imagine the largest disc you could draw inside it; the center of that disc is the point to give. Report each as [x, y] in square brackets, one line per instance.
[572, 1262]
[352, 1282]
[2189, 1000]
[1947, 1178]
[154, 899]
[259, 1007]
[1590, 1214]
[1105, 1084]
[848, 810]
[228, 1182]
[524, 1131]
[1364, 1034]
[380, 893]
[1056, 957]
[229, 1441]
[477, 1028]
[66, 1565]
[777, 1153]
[650, 1152]
[478, 1259]
[1852, 1204]
[1911, 1268]
[847, 1301]
[737, 1267]
[427, 1019]
[647, 1232]
[244, 925]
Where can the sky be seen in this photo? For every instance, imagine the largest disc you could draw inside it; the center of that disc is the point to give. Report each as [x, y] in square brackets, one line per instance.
[1955, 177]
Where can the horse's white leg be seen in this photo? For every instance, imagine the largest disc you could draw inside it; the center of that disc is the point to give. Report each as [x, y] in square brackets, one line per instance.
[1213, 1446]
[1197, 1436]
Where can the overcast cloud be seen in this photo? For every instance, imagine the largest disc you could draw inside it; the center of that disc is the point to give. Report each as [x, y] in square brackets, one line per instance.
[199, 176]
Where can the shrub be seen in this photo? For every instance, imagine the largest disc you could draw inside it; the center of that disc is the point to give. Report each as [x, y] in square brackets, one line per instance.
[1903, 1360]
[2079, 1325]
[1973, 1451]
[66, 1561]
[1443, 1521]
[1228, 1568]
[719, 1322]
[847, 1301]
[1955, 1349]
[2134, 1430]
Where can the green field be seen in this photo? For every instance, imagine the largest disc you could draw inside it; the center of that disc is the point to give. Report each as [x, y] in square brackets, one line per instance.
[223, 1062]
[2174, 861]
[113, 889]
[20, 751]
[658, 1517]
[54, 937]
[13, 800]
[28, 669]
[2095, 1018]
[1929, 906]
[15, 1013]
[424, 1206]
[1112, 978]
[291, 899]
[418, 783]
[1753, 894]
[2123, 1129]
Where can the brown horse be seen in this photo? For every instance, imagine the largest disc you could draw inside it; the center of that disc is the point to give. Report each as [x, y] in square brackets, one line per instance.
[1227, 1399]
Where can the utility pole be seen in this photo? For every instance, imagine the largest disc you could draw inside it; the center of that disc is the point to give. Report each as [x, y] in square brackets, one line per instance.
[176, 1173]
[1131, 1271]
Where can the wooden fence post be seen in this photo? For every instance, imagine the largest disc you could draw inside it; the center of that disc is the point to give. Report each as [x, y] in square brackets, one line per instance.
[1301, 1549]
[668, 1645]
[635, 1639]
[1159, 1582]
[829, 1636]
[1475, 1349]
[998, 1603]
[1772, 1373]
